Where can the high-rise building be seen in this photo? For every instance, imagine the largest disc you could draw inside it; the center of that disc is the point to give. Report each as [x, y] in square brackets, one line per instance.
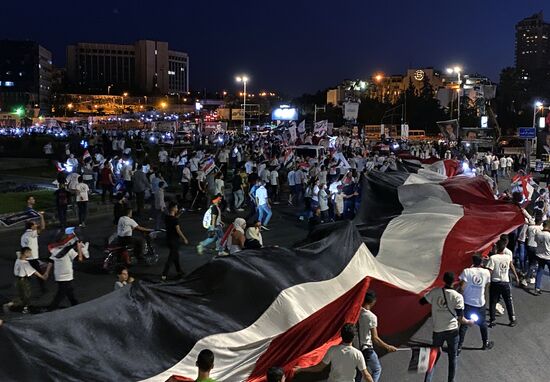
[25, 76]
[146, 67]
[532, 46]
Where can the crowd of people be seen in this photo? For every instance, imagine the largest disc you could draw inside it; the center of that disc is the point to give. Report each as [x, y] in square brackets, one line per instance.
[246, 176]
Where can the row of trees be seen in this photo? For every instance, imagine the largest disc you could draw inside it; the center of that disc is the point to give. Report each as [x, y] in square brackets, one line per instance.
[513, 105]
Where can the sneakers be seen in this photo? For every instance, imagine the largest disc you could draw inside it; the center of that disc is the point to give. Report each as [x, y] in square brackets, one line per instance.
[25, 310]
[524, 283]
[163, 278]
[538, 292]
[488, 345]
[532, 280]
[265, 228]
[458, 351]
[200, 249]
[83, 225]
[513, 323]
[492, 324]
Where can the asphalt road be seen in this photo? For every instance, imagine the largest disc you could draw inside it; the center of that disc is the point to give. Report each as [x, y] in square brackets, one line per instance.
[520, 354]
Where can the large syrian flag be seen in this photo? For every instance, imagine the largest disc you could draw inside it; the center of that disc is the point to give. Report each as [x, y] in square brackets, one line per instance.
[273, 306]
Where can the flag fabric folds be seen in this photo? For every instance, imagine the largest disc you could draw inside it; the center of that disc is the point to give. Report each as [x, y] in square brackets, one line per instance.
[423, 359]
[273, 306]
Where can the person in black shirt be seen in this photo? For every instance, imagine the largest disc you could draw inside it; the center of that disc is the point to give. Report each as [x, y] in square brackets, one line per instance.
[173, 236]
[120, 207]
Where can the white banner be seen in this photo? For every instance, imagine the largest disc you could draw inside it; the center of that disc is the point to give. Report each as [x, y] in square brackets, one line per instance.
[302, 127]
[292, 131]
[320, 127]
[351, 110]
[404, 131]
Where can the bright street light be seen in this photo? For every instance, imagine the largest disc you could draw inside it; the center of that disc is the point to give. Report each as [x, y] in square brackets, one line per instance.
[538, 104]
[244, 79]
[457, 70]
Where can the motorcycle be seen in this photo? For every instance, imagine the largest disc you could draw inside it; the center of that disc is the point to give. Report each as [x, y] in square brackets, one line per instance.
[117, 254]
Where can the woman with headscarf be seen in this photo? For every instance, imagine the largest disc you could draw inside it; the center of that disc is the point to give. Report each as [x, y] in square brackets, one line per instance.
[236, 239]
[254, 238]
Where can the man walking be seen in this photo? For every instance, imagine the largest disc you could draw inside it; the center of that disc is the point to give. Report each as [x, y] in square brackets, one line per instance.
[447, 315]
[500, 265]
[343, 359]
[82, 191]
[264, 209]
[63, 273]
[173, 237]
[29, 239]
[368, 337]
[212, 221]
[473, 282]
[543, 254]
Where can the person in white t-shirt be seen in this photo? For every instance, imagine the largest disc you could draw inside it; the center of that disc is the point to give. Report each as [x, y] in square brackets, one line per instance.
[81, 191]
[262, 203]
[125, 228]
[23, 271]
[447, 315]
[343, 359]
[473, 283]
[368, 337]
[291, 186]
[500, 265]
[163, 156]
[30, 239]
[274, 185]
[62, 258]
[543, 254]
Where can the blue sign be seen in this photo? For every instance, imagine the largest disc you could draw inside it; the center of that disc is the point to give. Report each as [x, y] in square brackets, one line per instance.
[527, 133]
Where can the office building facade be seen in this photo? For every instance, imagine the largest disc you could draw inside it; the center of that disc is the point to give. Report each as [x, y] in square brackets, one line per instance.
[532, 46]
[25, 76]
[146, 67]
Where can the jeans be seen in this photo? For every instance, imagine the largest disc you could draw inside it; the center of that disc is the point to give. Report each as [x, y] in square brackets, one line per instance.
[497, 290]
[373, 365]
[264, 212]
[540, 271]
[438, 339]
[520, 254]
[82, 211]
[531, 262]
[159, 215]
[481, 322]
[238, 197]
[215, 234]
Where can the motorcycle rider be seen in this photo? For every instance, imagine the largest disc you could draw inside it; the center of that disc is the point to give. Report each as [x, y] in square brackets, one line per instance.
[125, 227]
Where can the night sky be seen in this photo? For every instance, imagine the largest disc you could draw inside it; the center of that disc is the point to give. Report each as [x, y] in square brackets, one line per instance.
[290, 46]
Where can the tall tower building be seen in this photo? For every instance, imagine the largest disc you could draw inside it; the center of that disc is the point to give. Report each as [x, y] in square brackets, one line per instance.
[532, 46]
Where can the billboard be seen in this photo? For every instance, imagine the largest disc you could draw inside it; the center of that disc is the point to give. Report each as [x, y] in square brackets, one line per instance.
[351, 110]
[284, 114]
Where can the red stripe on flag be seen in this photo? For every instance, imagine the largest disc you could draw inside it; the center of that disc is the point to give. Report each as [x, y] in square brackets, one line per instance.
[484, 220]
[306, 343]
[434, 356]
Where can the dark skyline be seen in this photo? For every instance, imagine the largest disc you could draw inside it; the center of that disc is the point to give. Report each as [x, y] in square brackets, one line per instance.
[289, 46]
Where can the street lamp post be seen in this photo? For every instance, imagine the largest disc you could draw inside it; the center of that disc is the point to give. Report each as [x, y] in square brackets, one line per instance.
[123, 95]
[457, 70]
[244, 80]
[539, 106]
[109, 89]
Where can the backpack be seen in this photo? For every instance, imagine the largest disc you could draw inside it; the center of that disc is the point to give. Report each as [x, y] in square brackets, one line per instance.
[207, 218]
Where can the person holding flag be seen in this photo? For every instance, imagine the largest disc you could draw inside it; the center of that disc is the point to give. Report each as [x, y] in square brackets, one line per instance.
[447, 315]
[473, 283]
[368, 336]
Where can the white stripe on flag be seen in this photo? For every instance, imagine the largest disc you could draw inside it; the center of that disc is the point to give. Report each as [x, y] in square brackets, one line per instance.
[402, 261]
[423, 360]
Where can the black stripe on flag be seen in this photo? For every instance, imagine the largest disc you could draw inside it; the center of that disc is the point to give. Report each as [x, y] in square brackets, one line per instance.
[138, 332]
[379, 205]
